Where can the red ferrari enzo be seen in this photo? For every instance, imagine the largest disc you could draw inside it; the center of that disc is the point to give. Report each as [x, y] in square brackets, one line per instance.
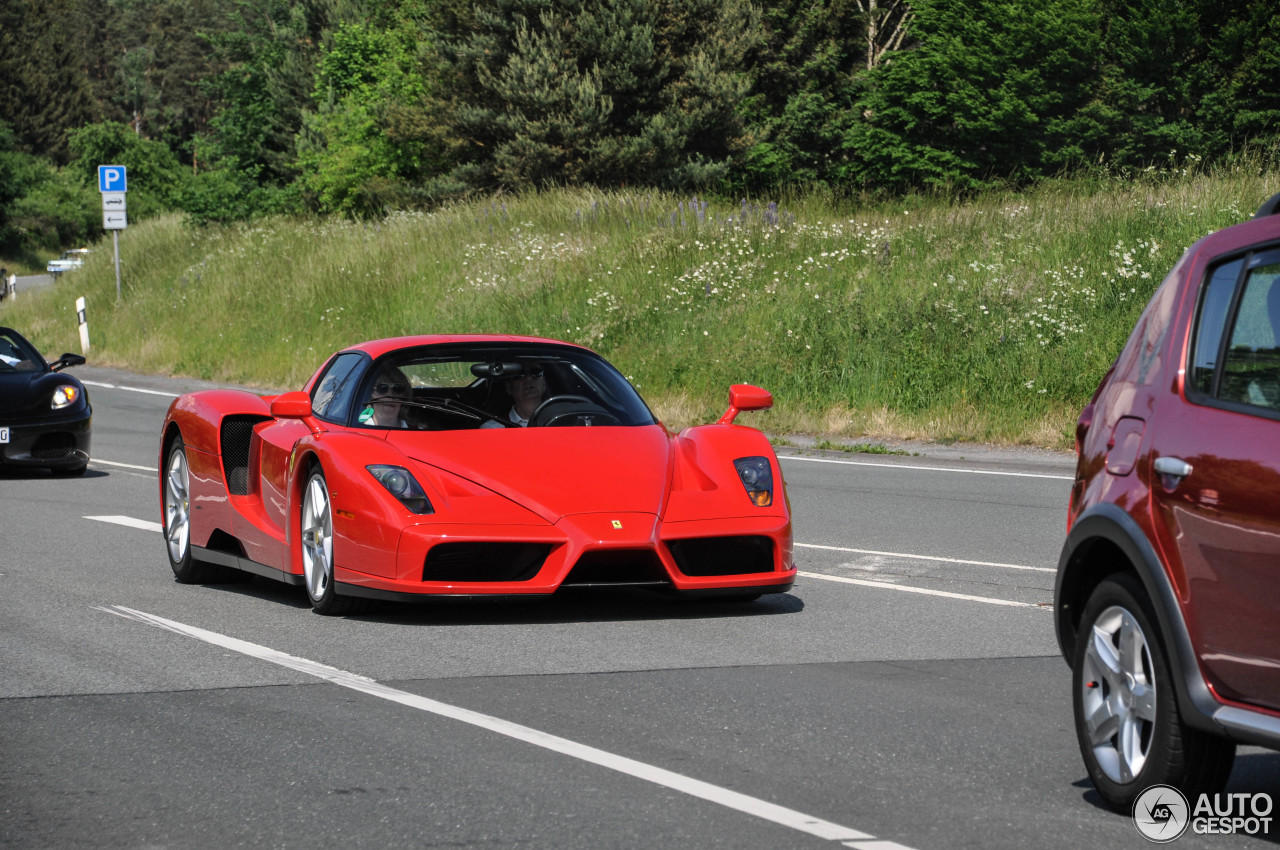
[469, 466]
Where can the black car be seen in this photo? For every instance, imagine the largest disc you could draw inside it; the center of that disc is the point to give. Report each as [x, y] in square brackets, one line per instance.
[45, 416]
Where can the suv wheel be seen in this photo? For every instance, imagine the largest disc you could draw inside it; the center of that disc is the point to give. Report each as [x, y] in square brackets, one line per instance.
[1128, 724]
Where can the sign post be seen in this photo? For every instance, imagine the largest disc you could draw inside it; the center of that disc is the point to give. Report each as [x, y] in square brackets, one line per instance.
[113, 183]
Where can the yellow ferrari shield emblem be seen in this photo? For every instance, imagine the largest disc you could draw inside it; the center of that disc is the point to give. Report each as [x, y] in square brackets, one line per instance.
[617, 523]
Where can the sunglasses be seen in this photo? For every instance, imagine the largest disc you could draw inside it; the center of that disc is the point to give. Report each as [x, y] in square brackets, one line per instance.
[527, 373]
[383, 389]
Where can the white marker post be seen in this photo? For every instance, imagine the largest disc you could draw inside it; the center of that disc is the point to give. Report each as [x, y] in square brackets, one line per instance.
[84, 326]
[113, 183]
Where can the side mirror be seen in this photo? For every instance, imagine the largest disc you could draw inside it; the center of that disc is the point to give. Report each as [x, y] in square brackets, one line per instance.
[294, 405]
[745, 397]
[66, 360]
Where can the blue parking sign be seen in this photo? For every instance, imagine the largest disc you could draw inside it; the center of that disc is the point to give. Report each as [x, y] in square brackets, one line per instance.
[111, 178]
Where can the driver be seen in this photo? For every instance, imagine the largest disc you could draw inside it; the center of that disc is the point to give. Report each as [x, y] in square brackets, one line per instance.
[527, 390]
[384, 408]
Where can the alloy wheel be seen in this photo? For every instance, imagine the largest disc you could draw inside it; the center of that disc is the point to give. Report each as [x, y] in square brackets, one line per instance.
[317, 538]
[1118, 694]
[177, 506]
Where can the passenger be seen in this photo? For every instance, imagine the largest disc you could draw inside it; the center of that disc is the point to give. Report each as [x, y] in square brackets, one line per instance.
[527, 390]
[385, 403]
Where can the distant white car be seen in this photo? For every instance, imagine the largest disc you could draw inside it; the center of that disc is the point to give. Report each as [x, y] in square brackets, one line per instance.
[72, 259]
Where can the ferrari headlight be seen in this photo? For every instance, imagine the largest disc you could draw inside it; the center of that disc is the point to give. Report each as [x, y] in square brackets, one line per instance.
[757, 477]
[401, 484]
[65, 396]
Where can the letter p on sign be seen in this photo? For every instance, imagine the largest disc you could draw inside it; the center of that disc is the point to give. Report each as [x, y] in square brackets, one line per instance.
[111, 178]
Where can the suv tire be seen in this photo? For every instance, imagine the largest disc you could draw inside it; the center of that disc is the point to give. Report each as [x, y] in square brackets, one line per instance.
[1127, 718]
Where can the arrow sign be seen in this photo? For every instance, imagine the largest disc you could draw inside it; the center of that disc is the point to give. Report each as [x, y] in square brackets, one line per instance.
[114, 220]
[113, 202]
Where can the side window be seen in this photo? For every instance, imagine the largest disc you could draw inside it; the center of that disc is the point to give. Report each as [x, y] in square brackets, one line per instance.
[332, 396]
[1215, 301]
[1251, 371]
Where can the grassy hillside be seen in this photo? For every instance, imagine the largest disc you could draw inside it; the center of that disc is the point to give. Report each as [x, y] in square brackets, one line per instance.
[989, 320]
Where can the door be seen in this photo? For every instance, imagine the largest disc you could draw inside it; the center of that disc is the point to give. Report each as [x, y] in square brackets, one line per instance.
[1215, 478]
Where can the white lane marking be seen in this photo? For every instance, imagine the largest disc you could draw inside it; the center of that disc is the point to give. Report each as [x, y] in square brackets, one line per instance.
[927, 468]
[906, 588]
[668, 779]
[906, 556]
[145, 525]
[125, 465]
[105, 385]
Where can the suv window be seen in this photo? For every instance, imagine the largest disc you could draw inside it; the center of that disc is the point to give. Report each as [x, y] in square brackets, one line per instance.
[1215, 301]
[1246, 314]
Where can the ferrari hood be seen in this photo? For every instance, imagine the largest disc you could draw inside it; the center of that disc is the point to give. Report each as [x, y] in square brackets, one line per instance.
[24, 394]
[554, 472]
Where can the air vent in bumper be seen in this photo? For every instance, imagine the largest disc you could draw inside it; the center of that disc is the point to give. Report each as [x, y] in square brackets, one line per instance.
[723, 556]
[456, 562]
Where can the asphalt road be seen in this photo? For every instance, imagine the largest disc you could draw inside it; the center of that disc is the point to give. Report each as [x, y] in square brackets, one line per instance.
[30, 283]
[906, 693]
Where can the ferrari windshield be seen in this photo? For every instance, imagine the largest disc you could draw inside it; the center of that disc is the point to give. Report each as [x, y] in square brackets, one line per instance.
[17, 355]
[496, 385]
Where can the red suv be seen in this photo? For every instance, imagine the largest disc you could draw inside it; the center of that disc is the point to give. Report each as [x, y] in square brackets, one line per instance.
[1168, 590]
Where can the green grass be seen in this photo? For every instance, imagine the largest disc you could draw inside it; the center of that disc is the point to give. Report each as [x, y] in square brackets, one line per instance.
[857, 448]
[989, 320]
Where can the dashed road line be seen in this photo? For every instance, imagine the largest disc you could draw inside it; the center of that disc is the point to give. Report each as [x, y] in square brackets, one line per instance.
[906, 588]
[106, 386]
[907, 556]
[123, 465]
[144, 524]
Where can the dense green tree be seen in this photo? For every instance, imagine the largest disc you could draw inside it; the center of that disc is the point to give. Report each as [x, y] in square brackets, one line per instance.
[1242, 102]
[270, 55]
[608, 93]
[1183, 78]
[42, 208]
[802, 99]
[377, 132]
[155, 176]
[43, 89]
[990, 92]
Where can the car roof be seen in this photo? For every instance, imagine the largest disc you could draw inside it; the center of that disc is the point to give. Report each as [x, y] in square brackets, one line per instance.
[378, 347]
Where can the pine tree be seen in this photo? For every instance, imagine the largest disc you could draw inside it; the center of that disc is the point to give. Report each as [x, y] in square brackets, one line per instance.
[44, 91]
[607, 93]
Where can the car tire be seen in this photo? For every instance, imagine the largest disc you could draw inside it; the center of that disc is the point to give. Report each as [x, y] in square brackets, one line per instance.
[177, 525]
[1128, 722]
[316, 538]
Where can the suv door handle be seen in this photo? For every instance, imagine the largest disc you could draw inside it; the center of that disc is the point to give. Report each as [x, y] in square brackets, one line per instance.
[1173, 467]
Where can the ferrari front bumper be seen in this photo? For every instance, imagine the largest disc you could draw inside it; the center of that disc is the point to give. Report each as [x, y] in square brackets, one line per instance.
[59, 441]
[707, 557]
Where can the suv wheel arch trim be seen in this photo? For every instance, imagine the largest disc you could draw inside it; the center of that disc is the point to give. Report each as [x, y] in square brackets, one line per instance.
[1108, 522]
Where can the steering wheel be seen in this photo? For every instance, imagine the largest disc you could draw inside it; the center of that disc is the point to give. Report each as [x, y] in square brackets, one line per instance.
[571, 410]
